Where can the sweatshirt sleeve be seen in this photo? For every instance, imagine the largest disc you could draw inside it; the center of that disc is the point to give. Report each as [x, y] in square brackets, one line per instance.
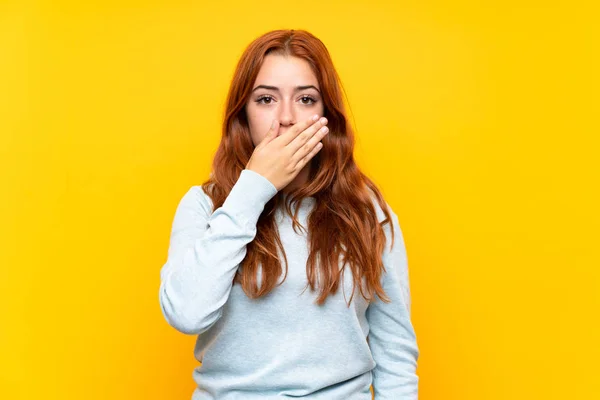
[391, 334]
[206, 249]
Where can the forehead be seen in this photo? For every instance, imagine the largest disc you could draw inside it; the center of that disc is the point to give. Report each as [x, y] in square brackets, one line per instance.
[285, 72]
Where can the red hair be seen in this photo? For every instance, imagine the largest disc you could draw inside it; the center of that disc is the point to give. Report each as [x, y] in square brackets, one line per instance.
[343, 209]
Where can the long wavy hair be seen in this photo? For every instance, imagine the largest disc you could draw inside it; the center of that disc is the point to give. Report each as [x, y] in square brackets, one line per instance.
[343, 222]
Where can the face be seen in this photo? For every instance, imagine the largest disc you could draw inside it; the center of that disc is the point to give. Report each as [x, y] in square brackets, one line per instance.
[285, 100]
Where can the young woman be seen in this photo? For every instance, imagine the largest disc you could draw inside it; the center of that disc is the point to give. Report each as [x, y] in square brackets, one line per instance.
[286, 142]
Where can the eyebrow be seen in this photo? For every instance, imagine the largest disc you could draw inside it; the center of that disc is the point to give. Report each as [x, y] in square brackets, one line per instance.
[275, 88]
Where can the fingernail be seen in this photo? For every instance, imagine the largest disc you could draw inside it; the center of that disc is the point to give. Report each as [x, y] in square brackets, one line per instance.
[315, 117]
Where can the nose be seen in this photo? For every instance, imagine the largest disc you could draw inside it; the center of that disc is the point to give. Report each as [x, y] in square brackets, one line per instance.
[287, 115]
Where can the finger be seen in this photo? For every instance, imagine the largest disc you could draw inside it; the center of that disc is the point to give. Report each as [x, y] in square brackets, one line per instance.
[272, 133]
[300, 127]
[309, 156]
[305, 136]
[305, 142]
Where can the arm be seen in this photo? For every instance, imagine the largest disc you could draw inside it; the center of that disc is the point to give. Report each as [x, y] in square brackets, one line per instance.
[392, 337]
[206, 249]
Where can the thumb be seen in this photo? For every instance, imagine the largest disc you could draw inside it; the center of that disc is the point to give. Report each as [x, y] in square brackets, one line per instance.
[273, 132]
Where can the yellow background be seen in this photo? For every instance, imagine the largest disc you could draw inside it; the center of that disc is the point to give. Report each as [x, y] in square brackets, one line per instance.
[478, 121]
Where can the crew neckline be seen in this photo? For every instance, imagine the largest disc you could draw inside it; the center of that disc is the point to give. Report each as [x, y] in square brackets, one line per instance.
[287, 194]
[304, 204]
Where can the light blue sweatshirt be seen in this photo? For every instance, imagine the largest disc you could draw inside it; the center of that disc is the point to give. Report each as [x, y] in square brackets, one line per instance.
[282, 345]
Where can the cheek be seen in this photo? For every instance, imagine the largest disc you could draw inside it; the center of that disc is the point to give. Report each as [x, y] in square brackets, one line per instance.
[260, 123]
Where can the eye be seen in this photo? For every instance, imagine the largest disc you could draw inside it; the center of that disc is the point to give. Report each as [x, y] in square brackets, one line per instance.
[313, 101]
[267, 99]
[261, 98]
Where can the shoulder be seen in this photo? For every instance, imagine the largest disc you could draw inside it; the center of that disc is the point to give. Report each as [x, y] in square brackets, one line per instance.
[379, 211]
[395, 239]
[195, 198]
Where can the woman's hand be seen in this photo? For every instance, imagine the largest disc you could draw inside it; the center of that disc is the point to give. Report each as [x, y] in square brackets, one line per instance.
[281, 158]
